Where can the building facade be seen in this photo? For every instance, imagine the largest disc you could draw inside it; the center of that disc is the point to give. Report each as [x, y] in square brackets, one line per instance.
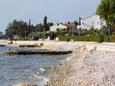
[57, 27]
[93, 21]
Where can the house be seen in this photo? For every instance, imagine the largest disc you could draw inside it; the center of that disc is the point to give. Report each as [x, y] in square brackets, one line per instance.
[93, 21]
[70, 25]
[57, 27]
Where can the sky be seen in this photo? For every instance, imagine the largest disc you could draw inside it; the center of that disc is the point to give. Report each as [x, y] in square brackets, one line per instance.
[55, 10]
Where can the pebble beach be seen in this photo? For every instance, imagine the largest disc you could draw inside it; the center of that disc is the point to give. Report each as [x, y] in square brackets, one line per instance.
[91, 64]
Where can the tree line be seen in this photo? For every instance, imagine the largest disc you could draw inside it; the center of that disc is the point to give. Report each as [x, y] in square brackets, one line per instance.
[106, 9]
[23, 29]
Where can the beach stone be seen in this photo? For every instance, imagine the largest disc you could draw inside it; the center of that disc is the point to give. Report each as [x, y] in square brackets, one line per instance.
[93, 49]
[24, 84]
[57, 38]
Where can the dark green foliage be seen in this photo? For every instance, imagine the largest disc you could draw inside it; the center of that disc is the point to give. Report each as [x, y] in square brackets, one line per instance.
[19, 28]
[38, 35]
[100, 38]
[45, 24]
[112, 38]
[76, 23]
[23, 38]
[107, 38]
[39, 28]
[107, 9]
[50, 23]
[90, 38]
[104, 31]
[52, 35]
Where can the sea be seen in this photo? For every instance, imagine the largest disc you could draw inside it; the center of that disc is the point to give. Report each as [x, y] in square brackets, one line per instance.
[33, 69]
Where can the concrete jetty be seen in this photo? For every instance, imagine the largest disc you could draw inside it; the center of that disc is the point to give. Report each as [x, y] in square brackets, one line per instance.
[36, 51]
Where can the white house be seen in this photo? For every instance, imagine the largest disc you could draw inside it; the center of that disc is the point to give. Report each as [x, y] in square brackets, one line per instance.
[56, 27]
[93, 21]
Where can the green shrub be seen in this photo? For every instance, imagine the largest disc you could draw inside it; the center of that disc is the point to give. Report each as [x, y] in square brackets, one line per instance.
[100, 39]
[107, 38]
[91, 38]
[52, 35]
[23, 38]
[112, 38]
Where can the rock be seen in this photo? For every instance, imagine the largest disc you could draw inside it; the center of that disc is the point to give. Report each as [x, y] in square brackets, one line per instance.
[41, 70]
[93, 49]
[24, 84]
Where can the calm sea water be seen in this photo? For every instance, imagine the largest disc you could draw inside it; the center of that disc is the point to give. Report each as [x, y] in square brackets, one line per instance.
[28, 69]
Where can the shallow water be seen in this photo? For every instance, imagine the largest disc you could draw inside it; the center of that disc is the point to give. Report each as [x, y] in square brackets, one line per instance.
[28, 69]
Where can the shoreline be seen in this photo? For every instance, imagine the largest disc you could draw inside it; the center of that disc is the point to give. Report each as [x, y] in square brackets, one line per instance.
[91, 64]
[63, 71]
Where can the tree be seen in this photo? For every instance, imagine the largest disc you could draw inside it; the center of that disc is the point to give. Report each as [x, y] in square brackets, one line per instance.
[76, 23]
[19, 28]
[52, 35]
[107, 9]
[39, 28]
[10, 31]
[104, 31]
[45, 24]
[50, 24]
